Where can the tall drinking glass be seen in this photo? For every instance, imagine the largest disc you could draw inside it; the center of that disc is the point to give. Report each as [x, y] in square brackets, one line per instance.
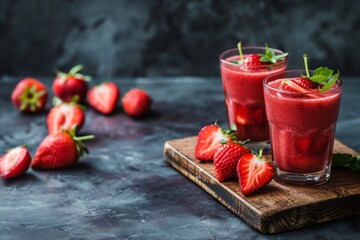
[302, 129]
[243, 90]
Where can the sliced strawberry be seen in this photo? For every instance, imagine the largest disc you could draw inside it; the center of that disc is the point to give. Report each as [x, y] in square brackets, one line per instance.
[300, 85]
[311, 145]
[104, 97]
[253, 172]
[250, 116]
[226, 159]
[65, 116]
[209, 139]
[15, 162]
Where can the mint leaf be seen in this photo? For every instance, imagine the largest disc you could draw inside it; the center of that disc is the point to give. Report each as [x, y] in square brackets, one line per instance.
[269, 55]
[321, 75]
[347, 161]
[330, 82]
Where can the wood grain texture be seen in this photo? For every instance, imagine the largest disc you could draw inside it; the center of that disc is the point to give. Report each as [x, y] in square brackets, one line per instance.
[276, 207]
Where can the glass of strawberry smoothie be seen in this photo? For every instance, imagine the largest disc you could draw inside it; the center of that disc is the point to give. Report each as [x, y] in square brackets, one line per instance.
[302, 128]
[243, 90]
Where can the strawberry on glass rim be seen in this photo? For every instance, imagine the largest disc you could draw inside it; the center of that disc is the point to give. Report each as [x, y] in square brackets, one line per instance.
[322, 79]
[68, 85]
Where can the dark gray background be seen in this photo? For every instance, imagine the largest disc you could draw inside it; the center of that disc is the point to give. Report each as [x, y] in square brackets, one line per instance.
[171, 38]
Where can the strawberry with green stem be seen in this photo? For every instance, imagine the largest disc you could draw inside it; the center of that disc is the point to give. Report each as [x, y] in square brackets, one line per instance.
[30, 95]
[60, 150]
[68, 85]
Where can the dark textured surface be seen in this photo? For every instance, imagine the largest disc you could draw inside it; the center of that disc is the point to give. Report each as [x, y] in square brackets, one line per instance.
[124, 189]
[171, 37]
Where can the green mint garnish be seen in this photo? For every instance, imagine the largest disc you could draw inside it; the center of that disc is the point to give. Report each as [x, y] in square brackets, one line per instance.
[347, 161]
[269, 55]
[322, 76]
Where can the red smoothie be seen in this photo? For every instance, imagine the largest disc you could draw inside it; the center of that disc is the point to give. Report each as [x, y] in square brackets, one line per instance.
[244, 94]
[302, 126]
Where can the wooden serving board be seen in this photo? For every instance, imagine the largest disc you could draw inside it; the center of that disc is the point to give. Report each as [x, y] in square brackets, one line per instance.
[276, 207]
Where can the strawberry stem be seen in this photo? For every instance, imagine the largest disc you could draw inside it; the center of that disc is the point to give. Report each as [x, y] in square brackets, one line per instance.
[76, 69]
[306, 65]
[261, 152]
[240, 52]
[84, 138]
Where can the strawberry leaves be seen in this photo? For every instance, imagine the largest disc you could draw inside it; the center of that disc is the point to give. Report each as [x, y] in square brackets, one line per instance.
[270, 56]
[347, 161]
[322, 76]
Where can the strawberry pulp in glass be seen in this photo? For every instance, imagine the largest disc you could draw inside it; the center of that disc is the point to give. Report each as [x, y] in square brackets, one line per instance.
[243, 92]
[302, 129]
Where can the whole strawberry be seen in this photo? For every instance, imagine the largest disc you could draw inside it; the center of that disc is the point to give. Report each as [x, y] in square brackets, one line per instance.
[68, 85]
[30, 95]
[15, 162]
[65, 116]
[104, 97]
[226, 159]
[254, 172]
[136, 102]
[209, 141]
[59, 150]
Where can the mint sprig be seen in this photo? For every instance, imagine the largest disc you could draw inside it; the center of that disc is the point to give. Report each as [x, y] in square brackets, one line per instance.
[322, 76]
[270, 56]
[347, 161]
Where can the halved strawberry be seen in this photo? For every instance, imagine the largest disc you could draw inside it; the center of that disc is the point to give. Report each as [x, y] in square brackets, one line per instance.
[226, 159]
[65, 116]
[15, 162]
[209, 140]
[253, 172]
[104, 97]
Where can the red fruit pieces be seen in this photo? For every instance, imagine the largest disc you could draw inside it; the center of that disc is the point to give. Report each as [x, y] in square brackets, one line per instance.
[253, 173]
[226, 160]
[15, 162]
[30, 95]
[66, 86]
[65, 116]
[208, 142]
[104, 97]
[59, 150]
[136, 102]
[311, 145]
[250, 116]
[305, 83]
[252, 60]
